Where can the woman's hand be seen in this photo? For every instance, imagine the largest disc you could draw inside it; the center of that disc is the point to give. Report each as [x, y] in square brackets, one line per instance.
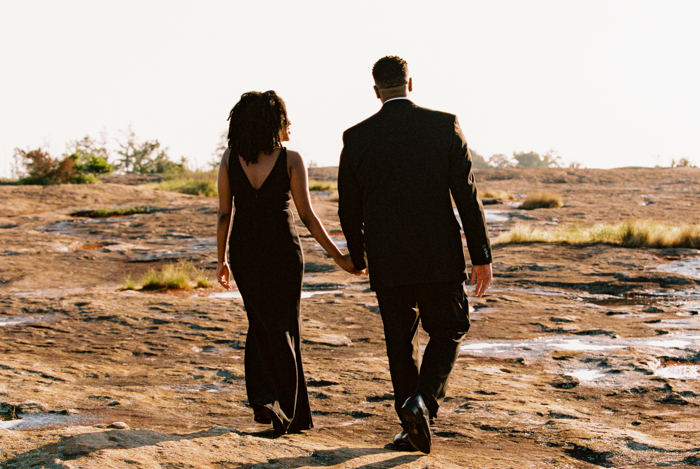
[345, 263]
[223, 274]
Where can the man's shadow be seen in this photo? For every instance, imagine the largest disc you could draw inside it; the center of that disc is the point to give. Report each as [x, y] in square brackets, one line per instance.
[80, 445]
[337, 456]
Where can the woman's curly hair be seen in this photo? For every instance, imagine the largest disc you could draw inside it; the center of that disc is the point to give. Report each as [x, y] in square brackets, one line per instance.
[257, 121]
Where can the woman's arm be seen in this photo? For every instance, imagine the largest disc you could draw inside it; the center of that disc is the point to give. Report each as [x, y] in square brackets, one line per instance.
[300, 192]
[223, 223]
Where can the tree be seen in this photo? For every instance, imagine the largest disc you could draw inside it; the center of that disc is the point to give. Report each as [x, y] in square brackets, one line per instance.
[535, 160]
[500, 161]
[143, 158]
[682, 163]
[220, 149]
[478, 161]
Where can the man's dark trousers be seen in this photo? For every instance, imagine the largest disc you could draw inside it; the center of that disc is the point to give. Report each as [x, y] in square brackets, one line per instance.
[443, 310]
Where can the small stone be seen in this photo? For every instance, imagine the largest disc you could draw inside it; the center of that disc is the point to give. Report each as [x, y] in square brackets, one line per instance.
[118, 425]
[566, 382]
[333, 340]
[69, 412]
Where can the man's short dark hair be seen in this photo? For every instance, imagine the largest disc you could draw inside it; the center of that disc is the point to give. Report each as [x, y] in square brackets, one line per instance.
[390, 71]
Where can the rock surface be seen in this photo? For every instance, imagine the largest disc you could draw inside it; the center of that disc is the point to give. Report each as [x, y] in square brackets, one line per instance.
[579, 356]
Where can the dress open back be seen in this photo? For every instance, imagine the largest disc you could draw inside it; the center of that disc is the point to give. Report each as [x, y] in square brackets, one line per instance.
[267, 265]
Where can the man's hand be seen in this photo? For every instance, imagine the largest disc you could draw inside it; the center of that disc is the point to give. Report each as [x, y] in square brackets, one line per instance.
[345, 262]
[481, 275]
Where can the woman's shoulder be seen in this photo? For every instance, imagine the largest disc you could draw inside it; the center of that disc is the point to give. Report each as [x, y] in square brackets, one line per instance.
[294, 158]
[225, 157]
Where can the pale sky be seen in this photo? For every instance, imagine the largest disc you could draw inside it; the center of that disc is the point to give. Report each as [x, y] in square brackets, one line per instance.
[605, 83]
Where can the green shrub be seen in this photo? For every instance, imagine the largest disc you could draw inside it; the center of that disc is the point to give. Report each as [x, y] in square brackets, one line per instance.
[202, 183]
[191, 186]
[41, 169]
[91, 164]
[114, 212]
[322, 186]
[90, 157]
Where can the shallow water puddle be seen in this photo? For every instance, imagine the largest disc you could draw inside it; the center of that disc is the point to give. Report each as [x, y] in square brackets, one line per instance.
[171, 246]
[52, 292]
[38, 420]
[586, 375]
[681, 368]
[688, 268]
[492, 216]
[75, 227]
[675, 370]
[679, 372]
[17, 320]
[542, 346]
[675, 324]
[199, 388]
[22, 320]
[688, 299]
[304, 294]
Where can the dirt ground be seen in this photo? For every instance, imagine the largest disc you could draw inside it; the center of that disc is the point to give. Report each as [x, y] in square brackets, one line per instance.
[579, 356]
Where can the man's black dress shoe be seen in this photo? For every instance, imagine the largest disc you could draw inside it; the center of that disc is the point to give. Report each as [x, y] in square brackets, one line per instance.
[401, 442]
[414, 415]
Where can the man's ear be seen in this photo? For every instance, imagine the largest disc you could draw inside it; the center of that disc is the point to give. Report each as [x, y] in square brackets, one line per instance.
[376, 91]
[410, 84]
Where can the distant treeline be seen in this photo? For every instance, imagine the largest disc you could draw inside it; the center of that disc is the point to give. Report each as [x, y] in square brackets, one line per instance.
[519, 160]
[87, 159]
[535, 160]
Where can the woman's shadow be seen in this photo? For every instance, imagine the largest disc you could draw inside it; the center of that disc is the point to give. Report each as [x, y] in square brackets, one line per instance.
[82, 445]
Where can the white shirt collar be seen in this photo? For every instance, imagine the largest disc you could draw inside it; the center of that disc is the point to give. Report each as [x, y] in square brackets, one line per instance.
[394, 99]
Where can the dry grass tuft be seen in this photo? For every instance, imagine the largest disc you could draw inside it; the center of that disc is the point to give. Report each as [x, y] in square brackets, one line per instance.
[633, 233]
[497, 195]
[648, 233]
[542, 199]
[128, 284]
[181, 276]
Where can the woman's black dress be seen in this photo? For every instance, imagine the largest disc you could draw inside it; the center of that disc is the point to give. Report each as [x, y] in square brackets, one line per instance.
[267, 264]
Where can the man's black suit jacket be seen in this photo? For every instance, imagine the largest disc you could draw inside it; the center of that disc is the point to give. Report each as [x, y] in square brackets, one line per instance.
[397, 171]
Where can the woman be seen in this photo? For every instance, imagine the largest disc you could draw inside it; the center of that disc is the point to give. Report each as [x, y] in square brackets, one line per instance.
[258, 174]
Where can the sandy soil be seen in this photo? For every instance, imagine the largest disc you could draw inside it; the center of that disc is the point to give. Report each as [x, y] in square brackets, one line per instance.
[579, 356]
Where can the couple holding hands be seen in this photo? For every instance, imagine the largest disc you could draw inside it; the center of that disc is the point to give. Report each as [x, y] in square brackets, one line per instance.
[399, 172]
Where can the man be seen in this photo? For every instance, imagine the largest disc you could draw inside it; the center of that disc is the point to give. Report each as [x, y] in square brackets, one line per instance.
[397, 171]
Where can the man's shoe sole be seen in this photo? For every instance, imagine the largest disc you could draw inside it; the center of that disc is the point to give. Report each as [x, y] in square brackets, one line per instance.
[403, 444]
[418, 430]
